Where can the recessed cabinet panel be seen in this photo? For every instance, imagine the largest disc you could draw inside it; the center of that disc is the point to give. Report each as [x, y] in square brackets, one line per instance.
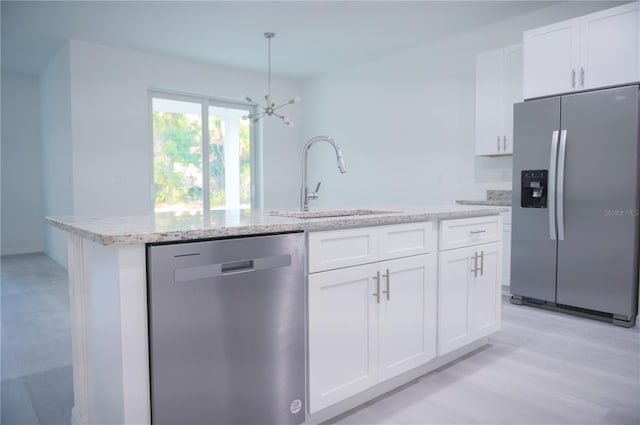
[407, 325]
[342, 334]
[608, 48]
[453, 293]
[551, 55]
[469, 231]
[469, 293]
[489, 100]
[342, 248]
[402, 240]
[484, 291]
[498, 87]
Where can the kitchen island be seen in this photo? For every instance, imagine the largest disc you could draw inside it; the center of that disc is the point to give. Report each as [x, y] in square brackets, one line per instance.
[108, 287]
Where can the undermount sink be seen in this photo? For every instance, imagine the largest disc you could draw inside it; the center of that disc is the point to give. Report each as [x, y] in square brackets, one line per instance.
[327, 214]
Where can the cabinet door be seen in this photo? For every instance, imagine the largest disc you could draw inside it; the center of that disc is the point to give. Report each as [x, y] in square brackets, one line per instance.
[342, 334]
[484, 290]
[408, 314]
[609, 47]
[506, 255]
[489, 101]
[453, 292]
[551, 55]
[512, 93]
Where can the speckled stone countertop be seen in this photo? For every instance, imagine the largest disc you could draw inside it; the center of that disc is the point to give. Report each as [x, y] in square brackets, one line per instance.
[170, 227]
[494, 197]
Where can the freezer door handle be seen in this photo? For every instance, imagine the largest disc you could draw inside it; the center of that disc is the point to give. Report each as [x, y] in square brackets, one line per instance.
[552, 185]
[560, 189]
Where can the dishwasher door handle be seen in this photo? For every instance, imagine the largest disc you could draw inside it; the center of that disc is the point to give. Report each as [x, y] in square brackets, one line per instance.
[187, 274]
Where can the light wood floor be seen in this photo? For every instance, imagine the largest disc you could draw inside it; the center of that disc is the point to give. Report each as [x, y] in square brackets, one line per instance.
[541, 368]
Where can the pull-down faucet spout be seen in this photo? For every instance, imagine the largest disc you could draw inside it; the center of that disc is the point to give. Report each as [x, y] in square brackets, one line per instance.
[305, 195]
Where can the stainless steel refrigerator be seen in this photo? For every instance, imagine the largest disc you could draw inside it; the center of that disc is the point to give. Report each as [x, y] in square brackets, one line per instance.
[575, 203]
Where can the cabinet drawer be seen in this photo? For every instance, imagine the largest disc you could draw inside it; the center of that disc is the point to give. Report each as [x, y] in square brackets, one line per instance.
[342, 248]
[403, 240]
[469, 231]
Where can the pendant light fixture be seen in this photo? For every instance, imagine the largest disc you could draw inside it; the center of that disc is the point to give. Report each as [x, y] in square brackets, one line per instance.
[270, 106]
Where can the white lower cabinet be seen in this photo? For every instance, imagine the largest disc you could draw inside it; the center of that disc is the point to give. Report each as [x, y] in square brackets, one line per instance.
[407, 314]
[383, 301]
[369, 323]
[506, 249]
[469, 291]
[343, 334]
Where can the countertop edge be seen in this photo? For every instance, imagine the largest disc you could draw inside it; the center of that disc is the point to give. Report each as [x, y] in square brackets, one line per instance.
[295, 225]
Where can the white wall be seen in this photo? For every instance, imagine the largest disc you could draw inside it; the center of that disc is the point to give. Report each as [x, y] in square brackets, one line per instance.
[22, 195]
[57, 175]
[406, 122]
[112, 147]
[97, 147]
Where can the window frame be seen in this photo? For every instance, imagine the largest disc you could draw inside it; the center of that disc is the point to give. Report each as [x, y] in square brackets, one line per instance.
[206, 102]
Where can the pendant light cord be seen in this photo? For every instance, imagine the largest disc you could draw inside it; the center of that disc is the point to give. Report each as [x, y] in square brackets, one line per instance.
[269, 82]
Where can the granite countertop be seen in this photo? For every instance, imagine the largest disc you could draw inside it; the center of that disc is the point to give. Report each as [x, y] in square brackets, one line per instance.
[171, 227]
[494, 198]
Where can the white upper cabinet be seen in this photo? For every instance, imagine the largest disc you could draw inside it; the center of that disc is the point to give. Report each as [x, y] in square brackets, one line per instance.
[498, 87]
[595, 50]
[609, 47]
[551, 56]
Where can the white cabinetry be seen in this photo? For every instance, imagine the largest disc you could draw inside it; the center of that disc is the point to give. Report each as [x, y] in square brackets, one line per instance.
[506, 249]
[469, 281]
[370, 322]
[595, 50]
[498, 87]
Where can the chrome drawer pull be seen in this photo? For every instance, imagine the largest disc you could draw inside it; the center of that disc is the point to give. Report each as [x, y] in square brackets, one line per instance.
[377, 293]
[475, 264]
[475, 232]
[388, 291]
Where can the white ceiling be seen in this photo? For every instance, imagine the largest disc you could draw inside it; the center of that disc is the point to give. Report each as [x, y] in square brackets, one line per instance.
[312, 37]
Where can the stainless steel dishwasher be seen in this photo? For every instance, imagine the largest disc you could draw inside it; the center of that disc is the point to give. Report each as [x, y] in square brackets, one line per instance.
[227, 331]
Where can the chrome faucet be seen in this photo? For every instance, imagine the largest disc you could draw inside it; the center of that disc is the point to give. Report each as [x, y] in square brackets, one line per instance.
[305, 195]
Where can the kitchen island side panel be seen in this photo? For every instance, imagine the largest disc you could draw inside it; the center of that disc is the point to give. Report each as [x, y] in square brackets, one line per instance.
[109, 333]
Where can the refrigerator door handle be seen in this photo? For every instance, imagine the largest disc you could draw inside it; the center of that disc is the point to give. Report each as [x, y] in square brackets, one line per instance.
[552, 185]
[560, 189]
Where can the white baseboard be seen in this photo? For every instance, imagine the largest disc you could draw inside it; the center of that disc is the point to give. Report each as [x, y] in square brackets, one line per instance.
[378, 390]
[61, 261]
[23, 250]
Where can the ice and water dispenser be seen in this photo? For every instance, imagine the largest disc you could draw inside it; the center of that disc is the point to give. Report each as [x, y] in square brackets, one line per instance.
[534, 189]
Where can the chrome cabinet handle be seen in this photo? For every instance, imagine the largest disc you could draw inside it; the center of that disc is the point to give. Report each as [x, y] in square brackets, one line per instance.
[377, 293]
[573, 78]
[475, 265]
[475, 232]
[582, 76]
[498, 143]
[504, 143]
[481, 263]
[388, 291]
[552, 185]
